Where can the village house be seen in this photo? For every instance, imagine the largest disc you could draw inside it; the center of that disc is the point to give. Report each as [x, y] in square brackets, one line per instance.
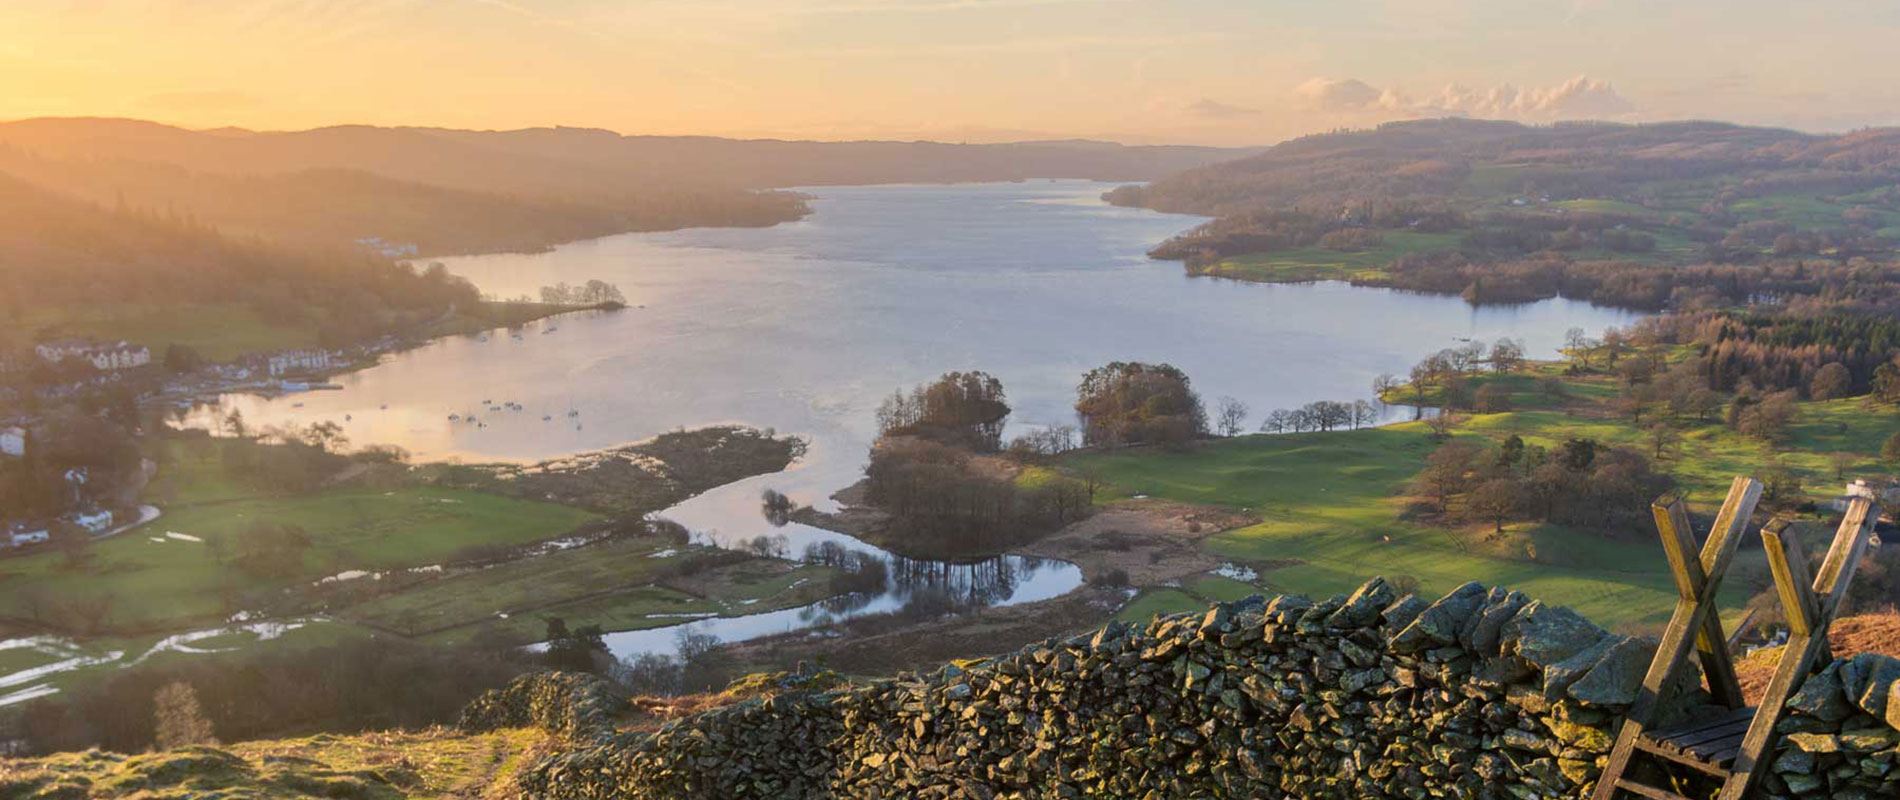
[107, 357]
[23, 535]
[13, 442]
[291, 361]
[95, 521]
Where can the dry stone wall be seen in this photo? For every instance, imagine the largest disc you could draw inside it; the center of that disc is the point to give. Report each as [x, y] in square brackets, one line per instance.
[577, 707]
[1482, 693]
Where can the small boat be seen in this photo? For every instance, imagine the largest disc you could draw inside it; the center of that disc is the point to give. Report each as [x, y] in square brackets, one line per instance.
[546, 417]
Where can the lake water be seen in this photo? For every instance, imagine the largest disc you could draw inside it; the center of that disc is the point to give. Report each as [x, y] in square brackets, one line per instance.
[805, 327]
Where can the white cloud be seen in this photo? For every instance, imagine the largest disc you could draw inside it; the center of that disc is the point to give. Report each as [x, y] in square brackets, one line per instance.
[1581, 97]
[1350, 94]
[1210, 108]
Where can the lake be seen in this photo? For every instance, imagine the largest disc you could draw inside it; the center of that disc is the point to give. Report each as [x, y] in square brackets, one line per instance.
[804, 327]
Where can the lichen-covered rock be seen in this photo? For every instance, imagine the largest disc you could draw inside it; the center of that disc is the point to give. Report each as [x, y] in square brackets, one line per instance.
[1440, 622]
[1618, 674]
[1546, 635]
[576, 706]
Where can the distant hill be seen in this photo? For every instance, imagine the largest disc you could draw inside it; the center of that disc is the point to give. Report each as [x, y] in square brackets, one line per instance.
[452, 191]
[62, 257]
[1439, 157]
[1387, 205]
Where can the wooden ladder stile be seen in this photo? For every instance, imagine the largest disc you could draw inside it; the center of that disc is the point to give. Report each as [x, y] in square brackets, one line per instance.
[1810, 603]
[1732, 747]
[1694, 624]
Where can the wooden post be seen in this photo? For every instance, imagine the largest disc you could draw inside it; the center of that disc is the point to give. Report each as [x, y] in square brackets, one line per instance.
[1807, 640]
[1692, 624]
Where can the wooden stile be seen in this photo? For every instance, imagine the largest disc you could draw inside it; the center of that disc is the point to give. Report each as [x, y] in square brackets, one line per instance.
[1732, 747]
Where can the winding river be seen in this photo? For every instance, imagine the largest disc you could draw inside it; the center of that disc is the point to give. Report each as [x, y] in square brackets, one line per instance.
[805, 327]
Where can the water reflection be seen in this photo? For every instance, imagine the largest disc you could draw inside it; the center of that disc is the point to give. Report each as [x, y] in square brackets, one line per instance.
[804, 327]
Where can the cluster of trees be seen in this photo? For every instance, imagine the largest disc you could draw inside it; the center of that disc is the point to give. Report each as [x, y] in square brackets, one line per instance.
[288, 461]
[34, 486]
[1448, 373]
[947, 500]
[1135, 403]
[1042, 443]
[857, 572]
[1322, 415]
[933, 470]
[1836, 354]
[592, 293]
[965, 409]
[1581, 484]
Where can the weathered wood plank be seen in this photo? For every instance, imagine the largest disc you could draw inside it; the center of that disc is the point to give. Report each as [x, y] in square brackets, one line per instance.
[1788, 564]
[1646, 790]
[1692, 624]
[1803, 651]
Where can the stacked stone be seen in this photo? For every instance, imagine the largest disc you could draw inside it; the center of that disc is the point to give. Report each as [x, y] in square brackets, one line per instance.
[774, 747]
[575, 706]
[1842, 733]
[1483, 693]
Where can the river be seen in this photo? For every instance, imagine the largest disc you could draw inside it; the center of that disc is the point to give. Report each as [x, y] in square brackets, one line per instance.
[804, 327]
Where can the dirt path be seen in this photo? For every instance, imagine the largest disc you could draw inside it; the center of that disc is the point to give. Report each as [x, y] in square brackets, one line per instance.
[1149, 542]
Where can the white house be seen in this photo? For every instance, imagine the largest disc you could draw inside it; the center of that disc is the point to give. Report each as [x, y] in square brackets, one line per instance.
[13, 442]
[107, 357]
[21, 536]
[300, 361]
[96, 521]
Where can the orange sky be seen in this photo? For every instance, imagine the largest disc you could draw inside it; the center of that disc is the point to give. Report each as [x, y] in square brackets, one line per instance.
[1214, 71]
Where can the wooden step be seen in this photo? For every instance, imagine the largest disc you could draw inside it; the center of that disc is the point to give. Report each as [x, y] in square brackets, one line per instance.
[1708, 745]
[1647, 790]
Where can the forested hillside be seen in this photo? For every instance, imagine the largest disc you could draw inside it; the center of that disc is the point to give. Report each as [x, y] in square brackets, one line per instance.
[1503, 212]
[60, 253]
[449, 191]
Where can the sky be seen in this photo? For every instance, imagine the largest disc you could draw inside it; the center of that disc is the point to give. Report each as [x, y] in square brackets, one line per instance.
[1228, 72]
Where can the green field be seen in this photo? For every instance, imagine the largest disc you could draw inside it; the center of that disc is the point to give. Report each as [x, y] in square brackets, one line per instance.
[219, 332]
[1321, 264]
[1603, 206]
[1331, 506]
[155, 585]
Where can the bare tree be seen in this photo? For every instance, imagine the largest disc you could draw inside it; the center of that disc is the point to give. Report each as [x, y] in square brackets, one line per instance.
[1384, 384]
[1229, 415]
[1364, 414]
[180, 721]
[1506, 355]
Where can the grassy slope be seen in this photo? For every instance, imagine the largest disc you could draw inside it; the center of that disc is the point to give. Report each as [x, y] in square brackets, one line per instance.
[1333, 503]
[438, 762]
[1320, 264]
[618, 585]
[176, 582]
